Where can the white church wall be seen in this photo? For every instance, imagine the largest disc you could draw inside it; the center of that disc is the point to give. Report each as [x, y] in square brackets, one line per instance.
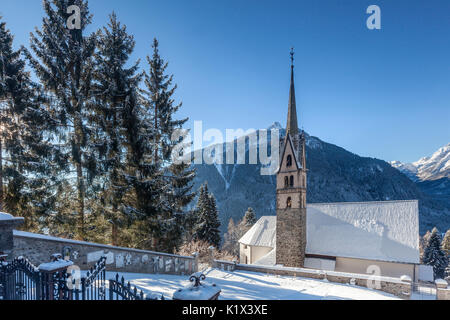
[320, 264]
[250, 254]
[387, 269]
[258, 252]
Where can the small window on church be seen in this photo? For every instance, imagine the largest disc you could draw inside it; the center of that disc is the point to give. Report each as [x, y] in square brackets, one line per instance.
[291, 181]
[286, 182]
[289, 202]
[289, 161]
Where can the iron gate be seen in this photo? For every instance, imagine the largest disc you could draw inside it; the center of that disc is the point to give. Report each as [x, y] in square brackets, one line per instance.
[21, 280]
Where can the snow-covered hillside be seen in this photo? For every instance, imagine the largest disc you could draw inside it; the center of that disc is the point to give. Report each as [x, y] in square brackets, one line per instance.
[428, 168]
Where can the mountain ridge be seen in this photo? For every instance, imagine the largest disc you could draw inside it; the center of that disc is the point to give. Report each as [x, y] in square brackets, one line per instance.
[334, 175]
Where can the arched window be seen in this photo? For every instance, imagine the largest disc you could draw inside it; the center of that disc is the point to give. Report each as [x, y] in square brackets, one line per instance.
[289, 161]
[286, 182]
[291, 181]
[289, 202]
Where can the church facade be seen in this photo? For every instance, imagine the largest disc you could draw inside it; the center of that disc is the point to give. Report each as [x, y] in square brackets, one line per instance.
[363, 237]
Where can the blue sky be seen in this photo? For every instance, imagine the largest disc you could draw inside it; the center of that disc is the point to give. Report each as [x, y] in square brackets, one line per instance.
[379, 93]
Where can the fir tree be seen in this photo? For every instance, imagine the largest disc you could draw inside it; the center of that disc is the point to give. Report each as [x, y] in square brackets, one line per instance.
[208, 224]
[177, 177]
[446, 243]
[434, 255]
[249, 217]
[63, 62]
[116, 85]
[25, 170]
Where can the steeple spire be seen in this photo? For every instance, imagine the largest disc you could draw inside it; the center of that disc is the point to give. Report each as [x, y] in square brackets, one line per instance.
[292, 123]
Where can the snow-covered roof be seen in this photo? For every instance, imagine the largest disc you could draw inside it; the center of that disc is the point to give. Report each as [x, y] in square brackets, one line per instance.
[385, 231]
[262, 233]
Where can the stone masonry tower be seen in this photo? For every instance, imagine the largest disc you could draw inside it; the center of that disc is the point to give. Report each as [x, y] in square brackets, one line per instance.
[291, 190]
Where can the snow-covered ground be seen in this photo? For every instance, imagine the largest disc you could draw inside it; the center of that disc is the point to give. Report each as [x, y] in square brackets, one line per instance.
[243, 285]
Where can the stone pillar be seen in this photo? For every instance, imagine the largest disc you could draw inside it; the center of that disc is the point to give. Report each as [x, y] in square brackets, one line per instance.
[442, 290]
[7, 225]
[195, 263]
[211, 256]
[49, 272]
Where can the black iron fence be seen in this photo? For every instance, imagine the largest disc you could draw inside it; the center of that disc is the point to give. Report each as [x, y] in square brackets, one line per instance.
[20, 280]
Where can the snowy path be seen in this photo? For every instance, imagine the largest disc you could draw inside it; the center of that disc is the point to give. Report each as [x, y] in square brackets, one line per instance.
[242, 285]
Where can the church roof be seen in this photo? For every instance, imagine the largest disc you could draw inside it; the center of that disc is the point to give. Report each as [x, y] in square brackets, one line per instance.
[262, 233]
[288, 139]
[384, 231]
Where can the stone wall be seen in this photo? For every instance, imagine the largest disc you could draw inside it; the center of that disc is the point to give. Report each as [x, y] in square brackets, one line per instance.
[401, 287]
[283, 271]
[39, 248]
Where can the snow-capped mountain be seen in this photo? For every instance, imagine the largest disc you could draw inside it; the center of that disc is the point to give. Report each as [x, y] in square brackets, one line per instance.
[428, 168]
[431, 174]
[334, 175]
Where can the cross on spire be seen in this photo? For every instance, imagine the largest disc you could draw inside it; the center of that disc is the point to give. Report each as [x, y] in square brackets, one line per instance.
[292, 56]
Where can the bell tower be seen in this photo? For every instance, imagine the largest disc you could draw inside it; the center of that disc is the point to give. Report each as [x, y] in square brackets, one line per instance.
[291, 190]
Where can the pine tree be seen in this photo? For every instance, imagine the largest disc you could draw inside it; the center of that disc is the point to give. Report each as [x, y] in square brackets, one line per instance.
[447, 273]
[208, 225]
[115, 86]
[434, 255]
[446, 243]
[177, 178]
[249, 217]
[423, 242]
[63, 62]
[25, 170]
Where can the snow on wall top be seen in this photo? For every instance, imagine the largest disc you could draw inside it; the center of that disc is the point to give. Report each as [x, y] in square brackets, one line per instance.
[5, 216]
[385, 231]
[262, 234]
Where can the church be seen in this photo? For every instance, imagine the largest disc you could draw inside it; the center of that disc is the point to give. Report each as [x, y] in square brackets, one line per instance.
[355, 237]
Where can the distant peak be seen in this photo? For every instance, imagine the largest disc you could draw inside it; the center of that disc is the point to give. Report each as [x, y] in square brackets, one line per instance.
[275, 125]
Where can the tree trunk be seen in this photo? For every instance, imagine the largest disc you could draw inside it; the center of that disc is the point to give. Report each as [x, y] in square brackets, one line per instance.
[80, 186]
[1, 176]
[114, 233]
[156, 134]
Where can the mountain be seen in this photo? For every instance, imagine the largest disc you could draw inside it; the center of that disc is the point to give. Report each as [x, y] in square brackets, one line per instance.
[431, 174]
[428, 168]
[335, 175]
